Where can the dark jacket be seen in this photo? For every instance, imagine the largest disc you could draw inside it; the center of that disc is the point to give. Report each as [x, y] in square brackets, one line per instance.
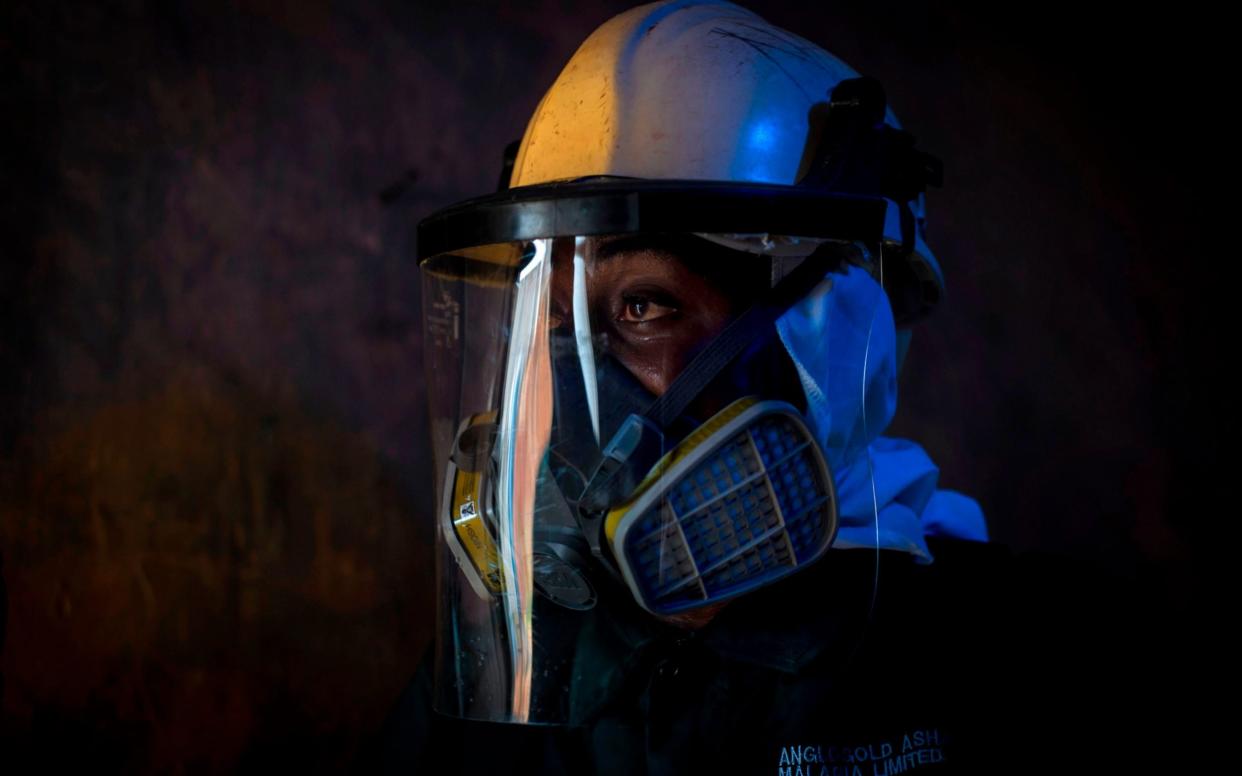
[866, 663]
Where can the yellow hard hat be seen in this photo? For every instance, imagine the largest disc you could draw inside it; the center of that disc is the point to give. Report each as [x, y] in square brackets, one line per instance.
[704, 90]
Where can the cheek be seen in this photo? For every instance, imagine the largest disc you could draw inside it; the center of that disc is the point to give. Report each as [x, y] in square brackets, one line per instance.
[654, 368]
[656, 364]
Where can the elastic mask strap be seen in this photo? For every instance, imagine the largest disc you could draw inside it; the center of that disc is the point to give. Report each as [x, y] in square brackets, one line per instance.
[738, 336]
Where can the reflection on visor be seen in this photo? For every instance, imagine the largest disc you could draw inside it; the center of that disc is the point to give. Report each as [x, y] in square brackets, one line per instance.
[528, 399]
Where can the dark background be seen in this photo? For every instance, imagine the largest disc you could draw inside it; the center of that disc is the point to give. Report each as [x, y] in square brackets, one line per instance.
[214, 480]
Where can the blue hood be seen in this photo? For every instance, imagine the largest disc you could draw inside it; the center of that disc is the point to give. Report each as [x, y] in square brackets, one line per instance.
[843, 342]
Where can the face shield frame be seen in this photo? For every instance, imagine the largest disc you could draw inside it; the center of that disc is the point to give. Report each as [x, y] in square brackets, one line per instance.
[611, 204]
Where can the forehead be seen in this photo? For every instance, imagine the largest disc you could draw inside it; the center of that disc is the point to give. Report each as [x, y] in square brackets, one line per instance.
[721, 265]
[681, 246]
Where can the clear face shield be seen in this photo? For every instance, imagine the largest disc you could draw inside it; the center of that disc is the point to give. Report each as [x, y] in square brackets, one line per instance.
[618, 425]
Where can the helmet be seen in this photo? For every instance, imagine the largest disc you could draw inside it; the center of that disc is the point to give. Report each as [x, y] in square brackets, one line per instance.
[710, 91]
[657, 357]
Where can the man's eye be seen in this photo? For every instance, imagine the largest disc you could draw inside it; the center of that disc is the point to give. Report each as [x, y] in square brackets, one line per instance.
[643, 309]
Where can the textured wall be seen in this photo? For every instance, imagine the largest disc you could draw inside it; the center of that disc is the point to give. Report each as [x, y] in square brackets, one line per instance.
[214, 488]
